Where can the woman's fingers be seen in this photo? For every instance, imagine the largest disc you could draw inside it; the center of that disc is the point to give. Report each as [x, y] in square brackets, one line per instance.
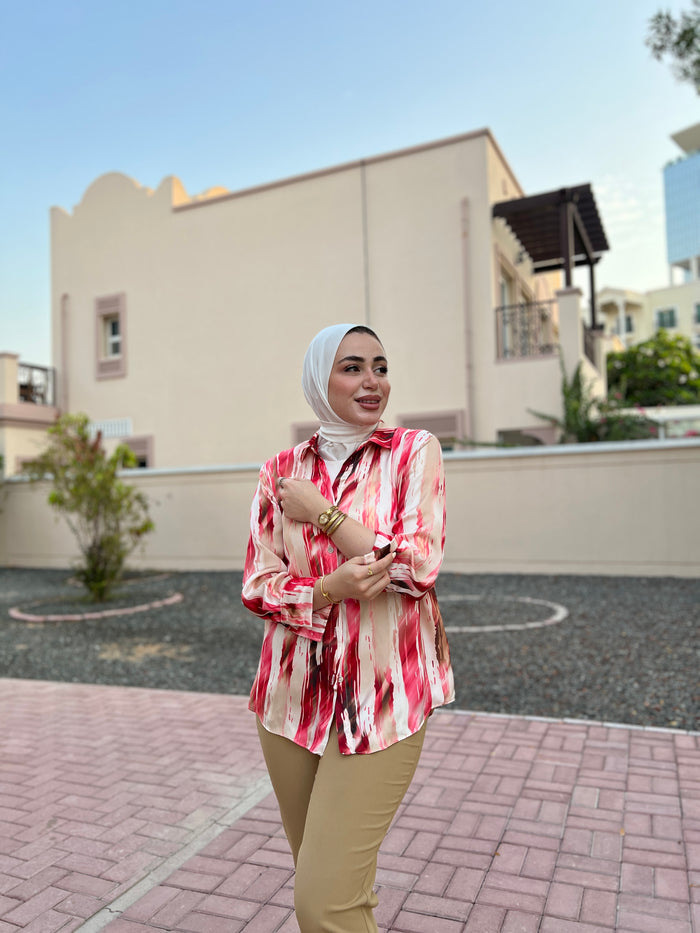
[377, 566]
[300, 499]
[353, 580]
[361, 568]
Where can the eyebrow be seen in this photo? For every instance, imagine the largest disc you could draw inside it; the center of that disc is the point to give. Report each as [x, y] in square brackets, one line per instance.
[361, 359]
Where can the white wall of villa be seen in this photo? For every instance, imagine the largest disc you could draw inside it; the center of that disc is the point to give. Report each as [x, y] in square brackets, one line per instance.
[611, 509]
[219, 295]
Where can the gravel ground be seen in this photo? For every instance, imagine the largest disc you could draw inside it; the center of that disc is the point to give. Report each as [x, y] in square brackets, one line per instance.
[627, 652]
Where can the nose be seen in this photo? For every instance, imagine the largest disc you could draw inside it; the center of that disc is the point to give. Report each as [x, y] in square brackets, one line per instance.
[370, 380]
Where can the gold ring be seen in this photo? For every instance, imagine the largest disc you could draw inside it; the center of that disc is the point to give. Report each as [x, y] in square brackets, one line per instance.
[370, 572]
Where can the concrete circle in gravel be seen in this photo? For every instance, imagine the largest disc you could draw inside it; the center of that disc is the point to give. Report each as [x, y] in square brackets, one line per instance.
[16, 612]
[559, 613]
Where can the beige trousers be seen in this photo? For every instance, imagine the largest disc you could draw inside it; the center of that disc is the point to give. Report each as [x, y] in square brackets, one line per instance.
[336, 810]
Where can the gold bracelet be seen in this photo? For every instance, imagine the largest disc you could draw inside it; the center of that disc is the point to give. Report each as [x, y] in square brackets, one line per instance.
[327, 595]
[327, 516]
[335, 523]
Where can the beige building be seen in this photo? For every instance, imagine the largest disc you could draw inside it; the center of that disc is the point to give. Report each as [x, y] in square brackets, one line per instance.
[180, 323]
[637, 316]
[26, 410]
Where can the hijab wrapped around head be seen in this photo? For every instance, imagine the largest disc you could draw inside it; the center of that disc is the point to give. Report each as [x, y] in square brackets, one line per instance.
[337, 438]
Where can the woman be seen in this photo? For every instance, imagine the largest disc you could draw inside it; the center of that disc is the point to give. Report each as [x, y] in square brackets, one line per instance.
[347, 534]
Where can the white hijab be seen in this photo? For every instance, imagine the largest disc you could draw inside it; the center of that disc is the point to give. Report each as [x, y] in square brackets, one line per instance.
[337, 438]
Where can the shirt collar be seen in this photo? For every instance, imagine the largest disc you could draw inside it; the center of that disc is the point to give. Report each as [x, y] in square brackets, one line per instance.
[381, 437]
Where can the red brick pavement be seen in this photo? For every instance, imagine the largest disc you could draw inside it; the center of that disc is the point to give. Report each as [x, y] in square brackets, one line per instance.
[131, 810]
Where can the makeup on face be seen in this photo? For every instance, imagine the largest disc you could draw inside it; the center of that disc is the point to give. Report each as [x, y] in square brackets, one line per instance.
[358, 387]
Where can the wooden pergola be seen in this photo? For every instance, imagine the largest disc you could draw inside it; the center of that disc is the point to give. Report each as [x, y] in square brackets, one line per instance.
[559, 229]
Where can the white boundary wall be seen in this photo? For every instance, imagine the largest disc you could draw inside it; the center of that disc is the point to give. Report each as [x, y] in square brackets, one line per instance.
[620, 509]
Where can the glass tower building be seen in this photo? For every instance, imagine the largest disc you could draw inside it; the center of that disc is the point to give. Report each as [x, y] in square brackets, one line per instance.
[682, 195]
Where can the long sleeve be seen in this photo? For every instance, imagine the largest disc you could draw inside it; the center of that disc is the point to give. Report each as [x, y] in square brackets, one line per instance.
[270, 590]
[417, 535]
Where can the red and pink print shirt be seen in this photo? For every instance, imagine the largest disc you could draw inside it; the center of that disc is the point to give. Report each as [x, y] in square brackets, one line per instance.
[374, 668]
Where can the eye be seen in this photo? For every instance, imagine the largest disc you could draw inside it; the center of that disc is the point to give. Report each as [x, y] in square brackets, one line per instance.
[382, 370]
[352, 368]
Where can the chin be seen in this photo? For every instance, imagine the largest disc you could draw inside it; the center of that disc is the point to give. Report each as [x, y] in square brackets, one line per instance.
[367, 419]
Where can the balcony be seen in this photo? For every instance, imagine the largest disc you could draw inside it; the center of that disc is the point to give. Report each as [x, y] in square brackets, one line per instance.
[37, 384]
[526, 331]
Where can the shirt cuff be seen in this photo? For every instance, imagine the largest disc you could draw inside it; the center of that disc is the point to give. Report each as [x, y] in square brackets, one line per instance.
[381, 540]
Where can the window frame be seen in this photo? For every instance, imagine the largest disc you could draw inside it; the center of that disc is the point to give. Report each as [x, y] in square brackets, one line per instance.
[658, 312]
[141, 446]
[112, 338]
[109, 308]
[446, 425]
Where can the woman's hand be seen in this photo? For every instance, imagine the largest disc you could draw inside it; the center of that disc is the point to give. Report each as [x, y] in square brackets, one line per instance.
[300, 500]
[356, 579]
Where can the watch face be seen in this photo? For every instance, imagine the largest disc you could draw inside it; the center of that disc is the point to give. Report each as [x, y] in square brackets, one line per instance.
[323, 519]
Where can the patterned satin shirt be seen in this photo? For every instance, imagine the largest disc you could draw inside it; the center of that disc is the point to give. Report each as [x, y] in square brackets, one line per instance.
[373, 668]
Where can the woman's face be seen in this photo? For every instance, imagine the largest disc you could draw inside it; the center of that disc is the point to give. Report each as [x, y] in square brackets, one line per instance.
[358, 387]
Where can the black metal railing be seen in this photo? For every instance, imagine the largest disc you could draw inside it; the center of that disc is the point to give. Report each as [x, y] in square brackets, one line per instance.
[36, 384]
[525, 330]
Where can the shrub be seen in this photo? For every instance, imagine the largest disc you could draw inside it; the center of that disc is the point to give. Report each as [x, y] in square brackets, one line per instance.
[664, 370]
[107, 516]
[588, 418]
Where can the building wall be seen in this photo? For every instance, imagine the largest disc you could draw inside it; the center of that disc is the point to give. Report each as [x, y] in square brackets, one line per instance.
[212, 319]
[643, 310]
[22, 424]
[221, 295]
[615, 509]
[685, 300]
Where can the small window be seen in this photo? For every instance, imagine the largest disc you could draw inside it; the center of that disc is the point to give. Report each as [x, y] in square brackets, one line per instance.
[666, 317]
[629, 324]
[112, 337]
[110, 324]
[445, 425]
[696, 317]
[142, 448]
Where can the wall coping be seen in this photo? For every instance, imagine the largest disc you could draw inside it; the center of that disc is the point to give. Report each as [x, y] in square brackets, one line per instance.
[555, 450]
[171, 471]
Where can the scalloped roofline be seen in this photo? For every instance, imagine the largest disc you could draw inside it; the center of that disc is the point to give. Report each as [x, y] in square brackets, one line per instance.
[182, 201]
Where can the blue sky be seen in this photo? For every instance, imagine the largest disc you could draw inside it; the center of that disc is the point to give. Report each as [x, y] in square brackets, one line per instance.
[239, 93]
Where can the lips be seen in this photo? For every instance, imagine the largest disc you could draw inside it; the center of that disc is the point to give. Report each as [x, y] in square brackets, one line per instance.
[369, 401]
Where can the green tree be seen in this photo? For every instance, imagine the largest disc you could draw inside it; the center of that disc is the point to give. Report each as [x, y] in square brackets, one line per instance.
[680, 39]
[107, 516]
[664, 370]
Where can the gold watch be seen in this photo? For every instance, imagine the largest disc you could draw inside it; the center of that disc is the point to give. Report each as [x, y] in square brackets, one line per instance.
[325, 517]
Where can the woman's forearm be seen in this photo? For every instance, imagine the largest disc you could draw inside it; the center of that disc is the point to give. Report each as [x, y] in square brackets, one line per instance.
[353, 539]
[302, 502]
